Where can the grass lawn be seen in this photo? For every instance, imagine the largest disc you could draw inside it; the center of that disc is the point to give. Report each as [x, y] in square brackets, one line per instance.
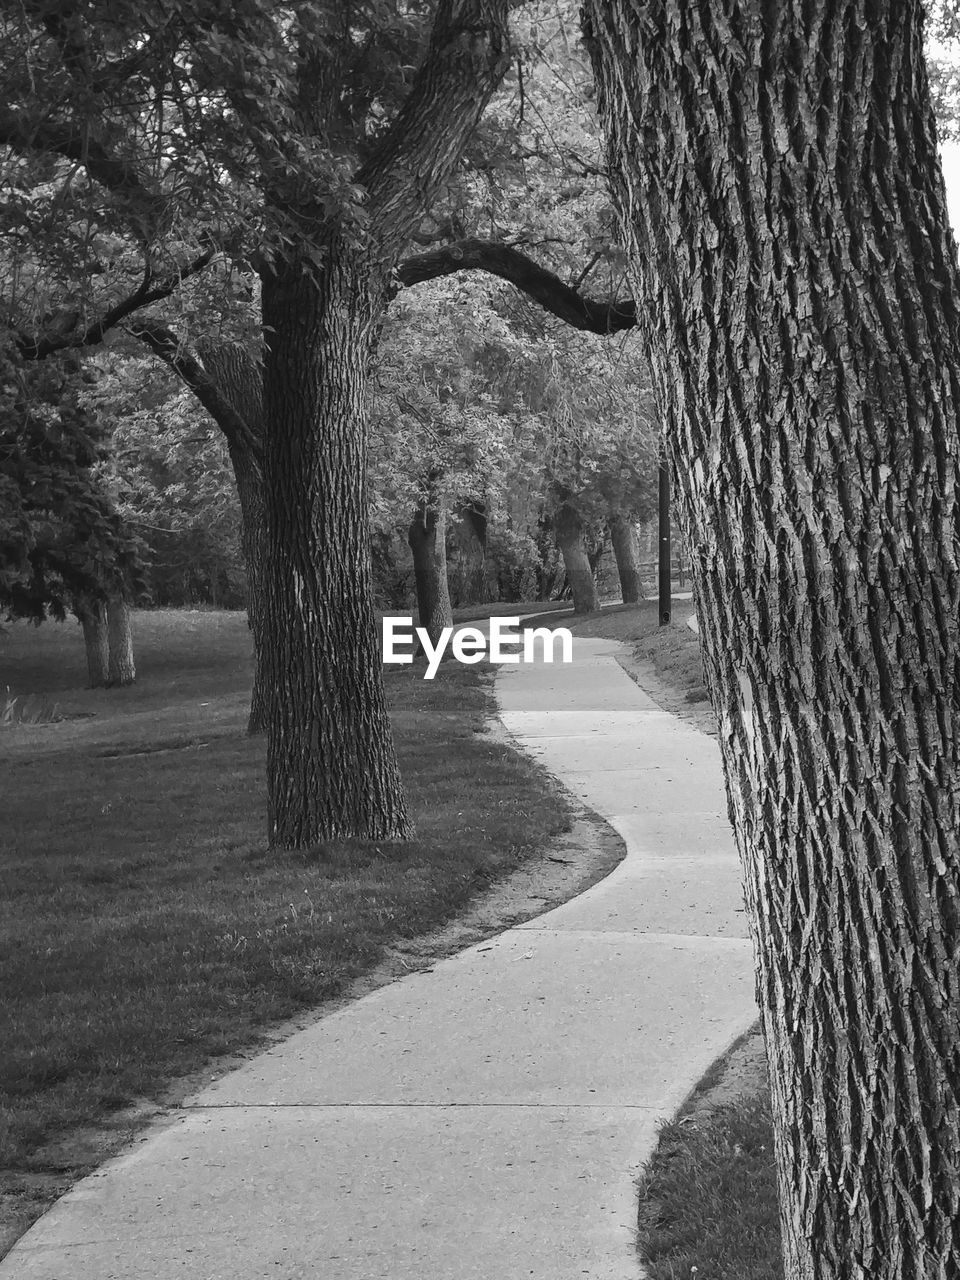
[145, 926]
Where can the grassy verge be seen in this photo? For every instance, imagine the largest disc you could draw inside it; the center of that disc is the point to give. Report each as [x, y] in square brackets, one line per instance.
[145, 926]
[496, 609]
[708, 1198]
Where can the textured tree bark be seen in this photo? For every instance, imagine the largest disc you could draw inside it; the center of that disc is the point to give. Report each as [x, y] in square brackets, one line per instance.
[427, 539]
[568, 529]
[777, 175]
[331, 767]
[93, 620]
[121, 667]
[626, 551]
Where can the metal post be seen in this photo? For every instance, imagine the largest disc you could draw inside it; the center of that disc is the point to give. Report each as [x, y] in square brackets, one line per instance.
[663, 577]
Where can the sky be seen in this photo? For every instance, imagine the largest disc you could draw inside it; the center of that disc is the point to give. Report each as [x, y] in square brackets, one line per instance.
[950, 158]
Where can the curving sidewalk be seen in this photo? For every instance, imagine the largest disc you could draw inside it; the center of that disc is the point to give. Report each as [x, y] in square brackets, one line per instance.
[486, 1117]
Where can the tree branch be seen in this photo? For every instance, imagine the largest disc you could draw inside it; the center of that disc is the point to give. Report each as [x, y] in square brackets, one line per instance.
[38, 348]
[536, 282]
[466, 59]
[165, 344]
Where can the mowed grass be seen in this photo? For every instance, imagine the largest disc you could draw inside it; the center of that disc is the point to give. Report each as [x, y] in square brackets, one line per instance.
[708, 1199]
[145, 926]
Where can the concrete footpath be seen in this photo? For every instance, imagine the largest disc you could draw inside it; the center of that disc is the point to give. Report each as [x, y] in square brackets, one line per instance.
[486, 1118]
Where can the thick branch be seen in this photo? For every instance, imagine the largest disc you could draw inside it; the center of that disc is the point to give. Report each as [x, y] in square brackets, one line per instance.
[165, 344]
[536, 282]
[38, 348]
[466, 59]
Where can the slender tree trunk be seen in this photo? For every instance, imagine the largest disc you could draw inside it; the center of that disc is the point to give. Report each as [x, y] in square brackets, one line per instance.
[473, 540]
[238, 375]
[427, 540]
[331, 766]
[786, 221]
[568, 529]
[626, 551]
[93, 620]
[253, 537]
[122, 669]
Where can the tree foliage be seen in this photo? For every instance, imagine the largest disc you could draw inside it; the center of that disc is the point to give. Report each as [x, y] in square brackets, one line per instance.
[62, 537]
[173, 482]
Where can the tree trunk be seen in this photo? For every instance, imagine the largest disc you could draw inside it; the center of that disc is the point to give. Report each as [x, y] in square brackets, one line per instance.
[568, 529]
[253, 538]
[784, 212]
[121, 665]
[331, 766]
[595, 554]
[626, 551]
[427, 539]
[238, 375]
[93, 620]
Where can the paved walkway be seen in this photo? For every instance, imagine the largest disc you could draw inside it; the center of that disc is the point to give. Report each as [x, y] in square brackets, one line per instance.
[486, 1118]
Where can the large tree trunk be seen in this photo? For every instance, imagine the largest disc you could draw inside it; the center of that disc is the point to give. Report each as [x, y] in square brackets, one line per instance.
[568, 529]
[331, 766]
[427, 539]
[122, 669]
[626, 551]
[797, 283]
[93, 620]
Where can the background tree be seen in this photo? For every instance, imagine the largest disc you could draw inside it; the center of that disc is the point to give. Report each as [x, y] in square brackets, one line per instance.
[173, 482]
[796, 277]
[347, 149]
[438, 442]
[145, 147]
[63, 545]
[484, 412]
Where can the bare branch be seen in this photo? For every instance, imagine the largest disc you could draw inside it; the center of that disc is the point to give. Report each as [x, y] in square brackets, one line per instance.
[165, 344]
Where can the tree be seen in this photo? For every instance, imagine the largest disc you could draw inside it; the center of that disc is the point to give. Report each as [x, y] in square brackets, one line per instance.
[171, 114]
[626, 550]
[146, 147]
[63, 544]
[796, 280]
[173, 483]
[598, 458]
[438, 440]
[92, 616]
[571, 535]
[160, 448]
[121, 669]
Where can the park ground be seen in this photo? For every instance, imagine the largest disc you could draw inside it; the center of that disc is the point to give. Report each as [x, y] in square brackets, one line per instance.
[149, 938]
